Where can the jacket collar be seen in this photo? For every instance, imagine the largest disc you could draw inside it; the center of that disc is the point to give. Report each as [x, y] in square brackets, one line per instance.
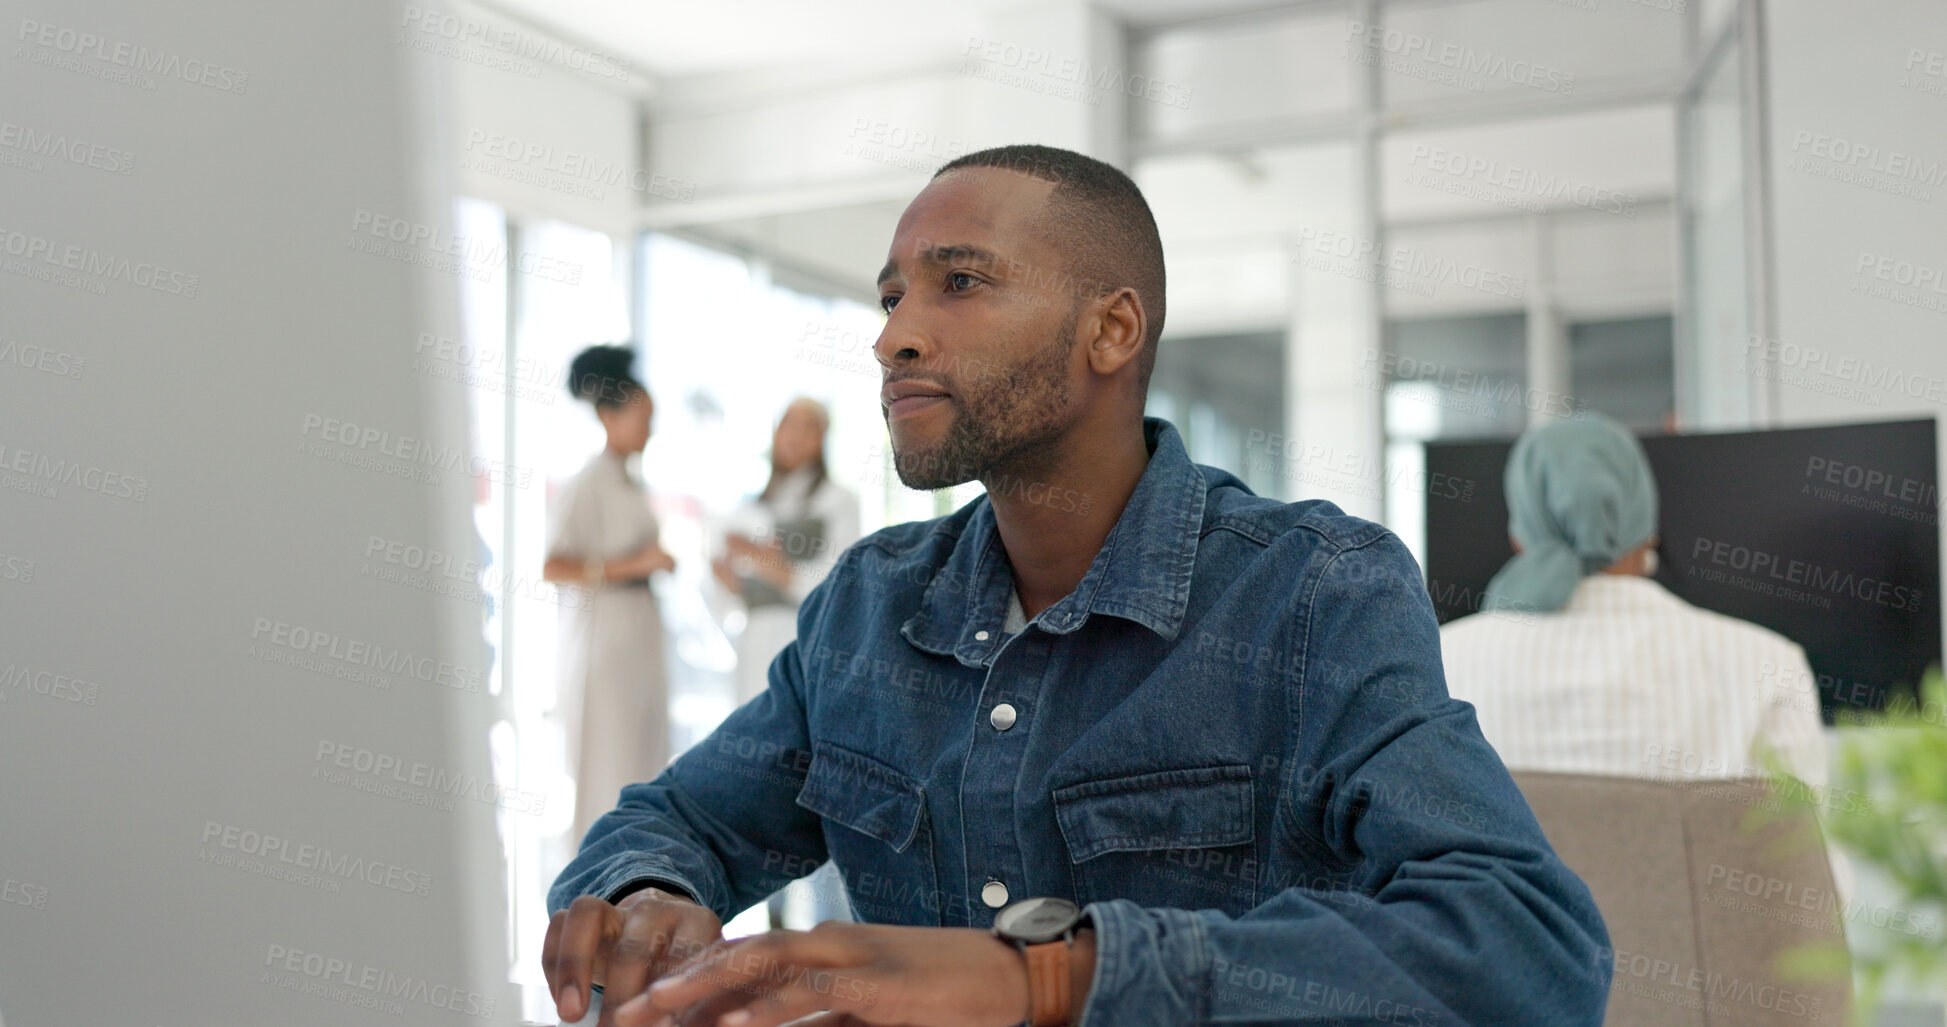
[1142, 572]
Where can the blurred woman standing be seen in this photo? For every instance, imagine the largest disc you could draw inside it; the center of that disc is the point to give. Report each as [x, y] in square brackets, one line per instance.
[780, 545]
[602, 542]
[784, 542]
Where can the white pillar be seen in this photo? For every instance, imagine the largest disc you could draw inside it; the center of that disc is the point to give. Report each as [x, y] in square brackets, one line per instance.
[1096, 122]
[1547, 344]
[1333, 337]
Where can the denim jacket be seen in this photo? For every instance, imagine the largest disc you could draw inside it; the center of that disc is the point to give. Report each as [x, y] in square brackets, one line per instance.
[1232, 743]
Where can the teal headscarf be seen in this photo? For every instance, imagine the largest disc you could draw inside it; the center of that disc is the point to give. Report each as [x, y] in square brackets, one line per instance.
[1580, 496]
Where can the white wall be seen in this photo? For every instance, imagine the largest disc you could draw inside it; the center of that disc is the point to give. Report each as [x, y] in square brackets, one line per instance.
[544, 139]
[161, 515]
[1838, 77]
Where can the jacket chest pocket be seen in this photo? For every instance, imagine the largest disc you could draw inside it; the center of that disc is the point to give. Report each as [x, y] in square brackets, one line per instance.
[877, 833]
[1177, 838]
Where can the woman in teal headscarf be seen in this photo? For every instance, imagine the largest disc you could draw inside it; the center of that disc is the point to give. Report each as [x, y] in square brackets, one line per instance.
[1578, 662]
[1581, 500]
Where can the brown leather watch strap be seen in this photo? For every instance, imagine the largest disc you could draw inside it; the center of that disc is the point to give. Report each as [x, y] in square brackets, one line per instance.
[1049, 986]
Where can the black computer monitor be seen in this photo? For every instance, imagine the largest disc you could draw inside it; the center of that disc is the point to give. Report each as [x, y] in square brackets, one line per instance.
[1828, 536]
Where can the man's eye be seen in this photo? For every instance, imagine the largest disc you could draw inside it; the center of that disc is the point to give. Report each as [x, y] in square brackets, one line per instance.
[886, 303]
[961, 281]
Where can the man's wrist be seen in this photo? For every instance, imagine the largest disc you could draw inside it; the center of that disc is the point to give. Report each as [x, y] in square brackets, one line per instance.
[658, 886]
[1015, 995]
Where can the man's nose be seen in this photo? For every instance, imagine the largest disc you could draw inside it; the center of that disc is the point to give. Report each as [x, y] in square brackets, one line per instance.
[899, 342]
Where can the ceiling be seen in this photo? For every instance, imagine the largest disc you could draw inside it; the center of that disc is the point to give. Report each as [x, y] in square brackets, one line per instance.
[672, 40]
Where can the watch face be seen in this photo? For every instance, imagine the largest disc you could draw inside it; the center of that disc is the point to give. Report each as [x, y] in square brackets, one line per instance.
[1035, 921]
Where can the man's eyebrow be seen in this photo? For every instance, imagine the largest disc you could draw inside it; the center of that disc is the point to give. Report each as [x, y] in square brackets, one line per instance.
[945, 254]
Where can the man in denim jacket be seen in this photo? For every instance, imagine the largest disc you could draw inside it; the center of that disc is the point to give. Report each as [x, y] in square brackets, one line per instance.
[1213, 721]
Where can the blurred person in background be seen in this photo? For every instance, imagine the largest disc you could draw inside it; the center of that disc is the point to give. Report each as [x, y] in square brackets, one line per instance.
[1581, 663]
[602, 543]
[784, 541]
[781, 545]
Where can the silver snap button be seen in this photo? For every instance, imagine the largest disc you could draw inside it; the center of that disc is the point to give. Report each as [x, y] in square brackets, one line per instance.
[1003, 717]
[980, 636]
[994, 894]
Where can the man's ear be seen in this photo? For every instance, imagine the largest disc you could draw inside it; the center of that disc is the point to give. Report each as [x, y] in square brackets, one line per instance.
[1120, 325]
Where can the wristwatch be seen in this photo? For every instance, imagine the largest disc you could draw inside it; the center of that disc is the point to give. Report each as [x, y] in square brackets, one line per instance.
[1044, 929]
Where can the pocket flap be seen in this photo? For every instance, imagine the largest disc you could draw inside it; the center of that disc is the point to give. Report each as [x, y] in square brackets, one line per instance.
[1171, 809]
[863, 794]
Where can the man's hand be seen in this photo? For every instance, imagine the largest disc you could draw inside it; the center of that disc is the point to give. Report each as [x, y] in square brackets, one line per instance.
[622, 947]
[855, 973]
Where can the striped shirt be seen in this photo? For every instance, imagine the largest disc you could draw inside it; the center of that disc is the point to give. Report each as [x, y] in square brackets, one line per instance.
[1630, 681]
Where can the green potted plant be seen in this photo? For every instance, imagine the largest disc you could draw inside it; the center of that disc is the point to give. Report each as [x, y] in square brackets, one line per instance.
[1887, 809]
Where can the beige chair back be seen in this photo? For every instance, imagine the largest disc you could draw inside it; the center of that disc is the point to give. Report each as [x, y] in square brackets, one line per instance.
[1699, 906]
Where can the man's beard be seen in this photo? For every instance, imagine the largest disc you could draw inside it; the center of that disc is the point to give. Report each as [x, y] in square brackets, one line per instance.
[1001, 422]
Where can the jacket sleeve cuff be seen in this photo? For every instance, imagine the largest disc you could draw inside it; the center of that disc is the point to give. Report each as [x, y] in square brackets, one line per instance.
[634, 868]
[1151, 966]
[645, 883]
